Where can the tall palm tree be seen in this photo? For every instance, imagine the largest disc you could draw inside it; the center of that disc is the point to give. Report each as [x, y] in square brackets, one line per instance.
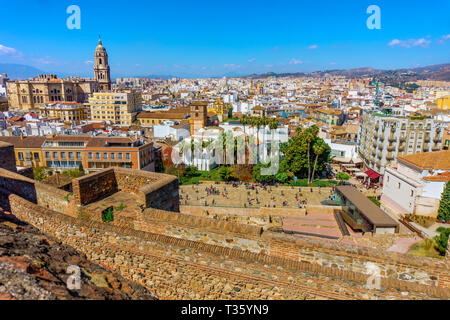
[244, 121]
[319, 147]
[308, 138]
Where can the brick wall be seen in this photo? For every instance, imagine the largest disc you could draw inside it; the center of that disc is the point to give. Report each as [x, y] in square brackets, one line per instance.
[153, 189]
[34, 191]
[252, 239]
[89, 188]
[183, 269]
[156, 190]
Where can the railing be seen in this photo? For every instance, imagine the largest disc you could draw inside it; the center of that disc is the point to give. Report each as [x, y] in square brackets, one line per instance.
[341, 223]
[407, 223]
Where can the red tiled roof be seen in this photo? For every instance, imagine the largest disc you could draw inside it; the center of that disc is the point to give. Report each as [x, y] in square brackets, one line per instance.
[444, 176]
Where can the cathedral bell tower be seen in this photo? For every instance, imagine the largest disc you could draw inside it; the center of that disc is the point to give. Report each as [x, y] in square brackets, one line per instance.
[101, 67]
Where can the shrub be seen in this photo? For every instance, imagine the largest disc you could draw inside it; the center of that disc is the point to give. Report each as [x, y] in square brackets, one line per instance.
[120, 207]
[342, 176]
[108, 215]
[442, 240]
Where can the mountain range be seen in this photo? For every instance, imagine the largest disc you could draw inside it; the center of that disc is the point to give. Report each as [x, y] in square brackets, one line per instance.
[432, 72]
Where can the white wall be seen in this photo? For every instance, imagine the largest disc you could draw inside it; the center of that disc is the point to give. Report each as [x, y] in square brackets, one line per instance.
[402, 196]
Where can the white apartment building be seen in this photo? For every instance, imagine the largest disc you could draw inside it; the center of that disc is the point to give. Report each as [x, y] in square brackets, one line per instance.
[383, 138]
[417, 183]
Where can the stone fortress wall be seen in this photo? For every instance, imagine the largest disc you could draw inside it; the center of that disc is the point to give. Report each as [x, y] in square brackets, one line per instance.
[7, 158]
[182, 256]
[151, 189]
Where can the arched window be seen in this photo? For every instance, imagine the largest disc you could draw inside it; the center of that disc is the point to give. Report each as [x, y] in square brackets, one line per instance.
[100, 61]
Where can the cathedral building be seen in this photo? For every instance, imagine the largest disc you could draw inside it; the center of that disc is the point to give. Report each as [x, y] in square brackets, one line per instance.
[35, 93]
[101, 67]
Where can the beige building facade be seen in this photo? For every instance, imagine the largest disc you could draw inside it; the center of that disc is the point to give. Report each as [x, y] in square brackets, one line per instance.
[36, 92]
[118, 107]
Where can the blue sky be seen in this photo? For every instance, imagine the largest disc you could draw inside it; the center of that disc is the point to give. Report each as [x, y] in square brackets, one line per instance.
[216, 38]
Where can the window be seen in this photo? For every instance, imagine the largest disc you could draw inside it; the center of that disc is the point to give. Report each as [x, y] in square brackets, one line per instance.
[120, 156]
[398, 186]
[412, 193]
[97, 155]
[105, 155]
[78, 155]
[113, 155]
[90, 155]
[70, 155]
[55, 155]
[127, 156]
[63, 155]
[36, 156]
[47, 155]
[20, 155]
[387, 178]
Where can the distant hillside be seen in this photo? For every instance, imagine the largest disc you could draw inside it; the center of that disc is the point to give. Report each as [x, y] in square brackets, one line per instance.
[433, 72]
[19, 71]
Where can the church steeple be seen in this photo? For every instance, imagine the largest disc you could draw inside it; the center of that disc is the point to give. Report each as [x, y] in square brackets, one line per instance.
[101, 67]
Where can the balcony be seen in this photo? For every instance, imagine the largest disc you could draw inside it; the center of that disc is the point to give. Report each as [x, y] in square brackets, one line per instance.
[436, 140]
[391, 139]
[391, 148]
[390, 157]
[426, 139]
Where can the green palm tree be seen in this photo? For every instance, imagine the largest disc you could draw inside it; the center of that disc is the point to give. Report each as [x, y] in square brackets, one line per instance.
[244, 121]
[319, 147]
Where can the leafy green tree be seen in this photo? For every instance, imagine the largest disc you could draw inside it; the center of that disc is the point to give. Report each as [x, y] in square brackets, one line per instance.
[444, 205]
[230, 112]
[442, 240]
[191, 171]
[298, 153]
[225, 173]
[257, 176]
[80, 167]
[282, 177]
[342, 176]
[319, 148]
[39, 173]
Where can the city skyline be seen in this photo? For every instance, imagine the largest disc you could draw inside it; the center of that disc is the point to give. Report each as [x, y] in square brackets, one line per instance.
[211, 40]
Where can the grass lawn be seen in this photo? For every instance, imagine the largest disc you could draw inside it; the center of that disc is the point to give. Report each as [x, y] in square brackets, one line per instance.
[316, 183]
[203, 176]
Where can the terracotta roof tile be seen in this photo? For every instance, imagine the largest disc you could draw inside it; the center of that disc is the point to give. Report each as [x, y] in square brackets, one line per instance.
[438, 160]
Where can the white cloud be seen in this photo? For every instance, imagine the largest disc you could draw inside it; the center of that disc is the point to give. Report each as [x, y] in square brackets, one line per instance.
[332, 63]
[4, 50]
[251, 60]
[446, 37]
[89, 62]
[313, 46]
[422, 42]
[295, 61]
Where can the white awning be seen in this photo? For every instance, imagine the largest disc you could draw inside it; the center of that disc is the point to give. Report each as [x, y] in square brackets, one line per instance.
[360, 174]
[348, 165]
[342, 159]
